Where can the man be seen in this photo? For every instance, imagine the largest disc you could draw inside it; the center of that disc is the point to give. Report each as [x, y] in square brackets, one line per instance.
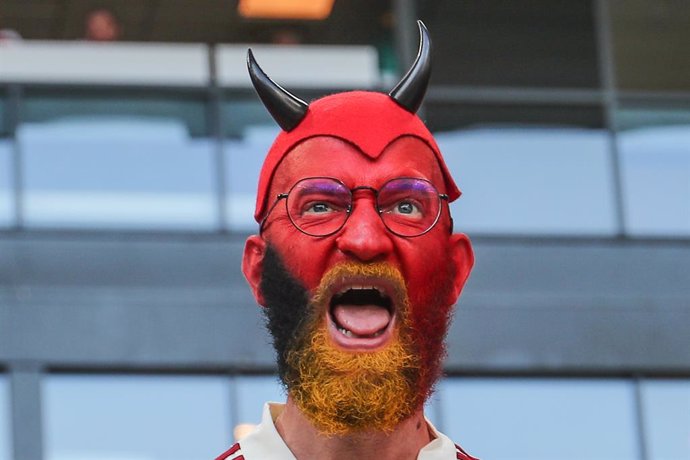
[357, 268]
[101, 25]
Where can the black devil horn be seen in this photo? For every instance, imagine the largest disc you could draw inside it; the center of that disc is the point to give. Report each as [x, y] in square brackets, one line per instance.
[285, 108]
[411, 89]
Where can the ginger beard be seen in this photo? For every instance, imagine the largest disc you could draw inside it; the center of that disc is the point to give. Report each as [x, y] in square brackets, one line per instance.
[343, 391]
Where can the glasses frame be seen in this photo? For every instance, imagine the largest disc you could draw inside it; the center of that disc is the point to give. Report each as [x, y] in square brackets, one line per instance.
[283, 196]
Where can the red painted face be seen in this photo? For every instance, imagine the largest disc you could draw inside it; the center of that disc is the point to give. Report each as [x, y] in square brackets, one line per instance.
[364, 238]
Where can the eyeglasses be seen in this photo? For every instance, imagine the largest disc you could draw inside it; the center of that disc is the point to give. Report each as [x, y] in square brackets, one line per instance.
[320, 206]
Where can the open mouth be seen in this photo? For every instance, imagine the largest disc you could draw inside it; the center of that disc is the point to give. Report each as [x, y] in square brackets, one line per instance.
[361, 316]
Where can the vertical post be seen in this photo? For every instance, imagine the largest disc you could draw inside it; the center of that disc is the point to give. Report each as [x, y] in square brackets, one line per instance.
[216, 132]
[640, 420]
[15, 94]
[406, 38]
[27, 427]
[234, 406]
[405, 32]
[607, 75]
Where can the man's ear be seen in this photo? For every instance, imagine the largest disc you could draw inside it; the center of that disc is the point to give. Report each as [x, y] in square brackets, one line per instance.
[252, 265]
[463, 258]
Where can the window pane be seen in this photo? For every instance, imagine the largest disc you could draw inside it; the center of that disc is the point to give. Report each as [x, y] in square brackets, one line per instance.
[135, 417]
[49, 105]
[6, 187]
[667, 418]
[93, 162]
[654, 145]
[540, 419]
[5, 417]
[253, 392]
[650, 44]
[497, 43]
[249, 132]
[536, 170]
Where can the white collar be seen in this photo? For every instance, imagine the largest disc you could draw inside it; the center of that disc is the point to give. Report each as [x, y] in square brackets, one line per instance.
[264, 443]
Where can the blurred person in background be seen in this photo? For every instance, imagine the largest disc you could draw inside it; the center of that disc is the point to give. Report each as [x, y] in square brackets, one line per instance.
[101, 25]
[8, 34]
[357, 269]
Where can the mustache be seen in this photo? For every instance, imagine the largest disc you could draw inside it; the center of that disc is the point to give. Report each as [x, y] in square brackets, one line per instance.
[291, 311]
[352, 273]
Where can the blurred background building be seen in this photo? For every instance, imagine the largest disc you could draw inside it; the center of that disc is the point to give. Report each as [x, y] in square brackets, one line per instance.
[130, 143]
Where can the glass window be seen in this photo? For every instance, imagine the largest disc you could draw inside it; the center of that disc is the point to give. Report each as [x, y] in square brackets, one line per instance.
[532, 419]
[5, 417]
[6, 183]
[496, 43]
[531, 170]
[650, 44]
[117, 161]
[253, 392]
[654, 146]
[666, 407]
[249, 132]
[136, 417]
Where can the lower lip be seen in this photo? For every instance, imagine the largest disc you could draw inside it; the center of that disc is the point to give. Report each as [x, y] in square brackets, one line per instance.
[359, 343]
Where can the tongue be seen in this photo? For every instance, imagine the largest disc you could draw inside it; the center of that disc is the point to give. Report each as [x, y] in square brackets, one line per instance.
[362, 319]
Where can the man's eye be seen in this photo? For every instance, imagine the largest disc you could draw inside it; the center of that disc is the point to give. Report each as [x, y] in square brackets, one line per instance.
[319, 208]
[406, 207]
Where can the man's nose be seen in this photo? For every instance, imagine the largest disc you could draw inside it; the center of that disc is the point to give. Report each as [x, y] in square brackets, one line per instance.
[364, 235]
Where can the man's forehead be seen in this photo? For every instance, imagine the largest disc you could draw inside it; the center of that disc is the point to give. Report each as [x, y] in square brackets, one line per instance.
[331, 156]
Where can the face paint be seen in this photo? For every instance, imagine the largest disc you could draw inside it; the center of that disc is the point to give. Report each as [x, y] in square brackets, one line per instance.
[338, 390]
[364, 237]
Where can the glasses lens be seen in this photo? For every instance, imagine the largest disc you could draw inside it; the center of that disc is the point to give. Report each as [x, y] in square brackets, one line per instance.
[318, 206]
[409, 207]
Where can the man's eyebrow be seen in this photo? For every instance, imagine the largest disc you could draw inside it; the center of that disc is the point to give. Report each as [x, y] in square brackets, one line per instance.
[412, 184]
[323, 187]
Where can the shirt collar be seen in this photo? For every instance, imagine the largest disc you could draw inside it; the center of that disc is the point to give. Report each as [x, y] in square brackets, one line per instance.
[265, 442]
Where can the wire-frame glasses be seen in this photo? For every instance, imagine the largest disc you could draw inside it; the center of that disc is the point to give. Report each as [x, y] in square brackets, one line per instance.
[320, 206]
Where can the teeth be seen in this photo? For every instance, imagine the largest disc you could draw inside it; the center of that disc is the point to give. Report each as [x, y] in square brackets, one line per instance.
[346, 332]
[349, 333]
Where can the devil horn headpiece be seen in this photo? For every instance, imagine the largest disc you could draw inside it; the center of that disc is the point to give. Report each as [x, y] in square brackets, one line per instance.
[409, 92]
[288, 110]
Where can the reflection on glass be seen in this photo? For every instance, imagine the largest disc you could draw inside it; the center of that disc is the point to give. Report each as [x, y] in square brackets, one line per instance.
[116, 173]
[135, 417]
[252, 392]
[249, 132]
[6, 192]
[666, 406]
[531, 180]
[650, 44]
[51, 105]
[5, 417]
[654, 146]
[544, 419]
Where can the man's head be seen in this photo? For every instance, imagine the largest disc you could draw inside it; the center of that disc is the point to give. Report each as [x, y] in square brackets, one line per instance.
[101, 25]
[356, 263]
